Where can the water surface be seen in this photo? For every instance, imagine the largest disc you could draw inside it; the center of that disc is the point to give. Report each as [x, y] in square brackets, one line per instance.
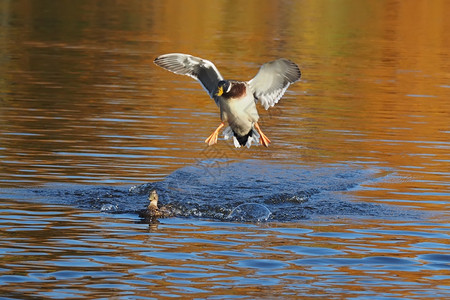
[356, 178]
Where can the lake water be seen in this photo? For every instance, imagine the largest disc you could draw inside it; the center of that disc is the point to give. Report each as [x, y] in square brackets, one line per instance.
[351, 200]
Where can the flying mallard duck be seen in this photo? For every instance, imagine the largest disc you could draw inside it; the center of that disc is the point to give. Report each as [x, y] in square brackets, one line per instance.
[236, 99]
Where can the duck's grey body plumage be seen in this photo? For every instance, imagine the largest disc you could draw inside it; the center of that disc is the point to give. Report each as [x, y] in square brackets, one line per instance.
[236, 99]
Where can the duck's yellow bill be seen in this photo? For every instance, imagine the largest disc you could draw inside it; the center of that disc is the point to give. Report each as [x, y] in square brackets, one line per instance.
[219, 91]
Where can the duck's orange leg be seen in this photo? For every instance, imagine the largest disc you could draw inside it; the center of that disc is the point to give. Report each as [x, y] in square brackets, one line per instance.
[212, 139]
[264, 140]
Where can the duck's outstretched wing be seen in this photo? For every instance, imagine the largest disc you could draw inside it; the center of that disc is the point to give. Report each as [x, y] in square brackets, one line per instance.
[201, 69]
[272, 80]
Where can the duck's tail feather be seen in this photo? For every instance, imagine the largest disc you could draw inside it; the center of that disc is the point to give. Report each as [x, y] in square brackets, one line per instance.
[252, 137]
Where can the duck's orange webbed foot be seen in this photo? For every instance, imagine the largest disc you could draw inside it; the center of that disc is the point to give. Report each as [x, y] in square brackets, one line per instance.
[263, 139]
[212, 139]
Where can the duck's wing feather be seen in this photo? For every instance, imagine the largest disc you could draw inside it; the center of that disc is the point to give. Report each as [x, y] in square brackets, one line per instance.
[201, 69]
[272, 80]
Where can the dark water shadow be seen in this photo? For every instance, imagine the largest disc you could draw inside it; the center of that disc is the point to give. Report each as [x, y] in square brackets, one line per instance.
[246, 191]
